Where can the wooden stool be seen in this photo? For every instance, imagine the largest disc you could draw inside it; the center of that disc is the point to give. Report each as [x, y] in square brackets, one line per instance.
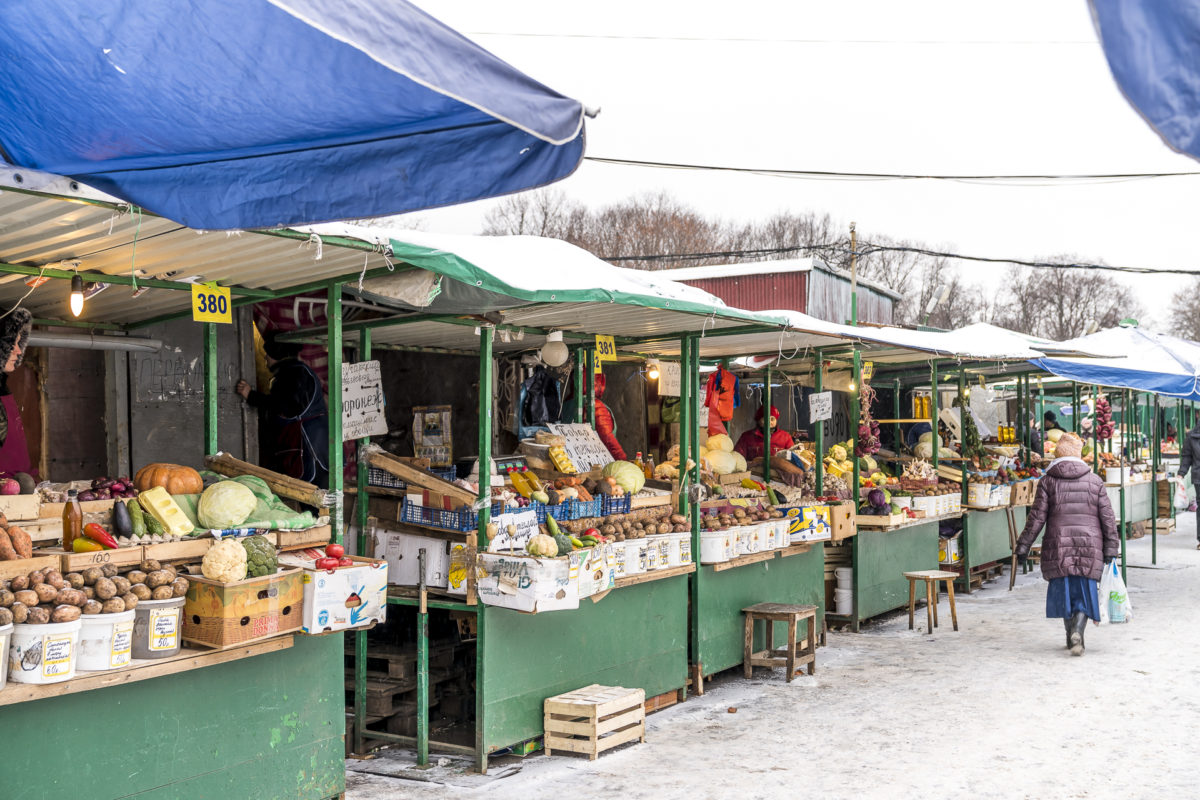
[794, 654]
[931, 578]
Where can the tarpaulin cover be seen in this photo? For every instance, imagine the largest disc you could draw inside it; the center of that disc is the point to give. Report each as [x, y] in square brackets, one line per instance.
[1153, 50]
[1148, 362]
[250, 114]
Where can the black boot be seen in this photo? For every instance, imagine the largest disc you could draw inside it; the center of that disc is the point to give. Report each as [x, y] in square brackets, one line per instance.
[1078, 625]
[1068, 624]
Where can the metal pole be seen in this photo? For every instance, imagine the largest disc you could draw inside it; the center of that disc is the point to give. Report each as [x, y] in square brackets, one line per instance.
[423, 663]
[767, 425]
[580, 369]
[486, 334]
[934, 400]
[1075, 422]
[691, 371]
[1155, 455]
[334, 347]
[591, 386]
[962, 426]
[896, 415]
[854, 485]
[1120, 462]
[360, 636]
[687, 425]
[211, 407]
[1041, 417]
[819, 432]
[853, 280]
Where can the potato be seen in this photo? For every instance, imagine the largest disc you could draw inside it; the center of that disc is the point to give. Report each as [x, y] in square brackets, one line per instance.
[109, 570]
[7, 598]
[65, 613]
[136, 576]
[179, 587]
[27, 597]
[150, 565]
[38, 616]
[141, 591]
[92, 607]
[113, 605]
[45, 592]
[171, 569]
[130, 600]
[164, 592]
[91, 575]
[36, 577]
[20, 612]
[122, 584]
[105, 589]
[52, 575]
[89, 592]
[6, 616]
[158, 578]
[71, 597]
[75, 579]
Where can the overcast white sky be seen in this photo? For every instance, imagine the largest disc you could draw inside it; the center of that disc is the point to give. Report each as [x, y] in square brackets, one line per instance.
[858, 86]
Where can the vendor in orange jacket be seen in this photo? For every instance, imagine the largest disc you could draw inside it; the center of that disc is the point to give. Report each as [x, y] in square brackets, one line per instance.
[606, 425]
[750, 444]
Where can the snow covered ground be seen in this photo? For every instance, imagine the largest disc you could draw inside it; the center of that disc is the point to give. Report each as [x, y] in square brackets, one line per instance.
[998, 709]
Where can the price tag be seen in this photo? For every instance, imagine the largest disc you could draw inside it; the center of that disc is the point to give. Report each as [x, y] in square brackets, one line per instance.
[606, 349]
[820, 406]
[211, 303]
[868, 370]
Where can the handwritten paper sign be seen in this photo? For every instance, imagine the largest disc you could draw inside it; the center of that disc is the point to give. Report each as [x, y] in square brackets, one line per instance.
[583, 445]
[525, 527]
[669, 379]
[362, 401]
[820, 406]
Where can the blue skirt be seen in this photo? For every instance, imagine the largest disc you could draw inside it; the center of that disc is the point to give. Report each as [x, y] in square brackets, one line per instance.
[1067, 595]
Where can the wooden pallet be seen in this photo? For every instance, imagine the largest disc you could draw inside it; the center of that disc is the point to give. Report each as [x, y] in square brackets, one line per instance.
[594, 719]
[398, 663]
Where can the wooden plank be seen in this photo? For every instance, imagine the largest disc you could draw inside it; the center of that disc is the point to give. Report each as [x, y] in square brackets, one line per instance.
[742, 561]
[140, 670]
[18, 507]
[797, 549]
[315, 536]
[55, 510]
[24, 566]
[419, 477]
[185, 550]
[77, 562]
[654, 575]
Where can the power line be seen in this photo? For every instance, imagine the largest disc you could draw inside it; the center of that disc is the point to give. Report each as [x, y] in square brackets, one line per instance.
[831, 174]
[772, 40]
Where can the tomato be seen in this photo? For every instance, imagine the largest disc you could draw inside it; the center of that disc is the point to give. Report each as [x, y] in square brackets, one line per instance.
[328, 563]
[345, 562]
[335, 550]
[592, 532]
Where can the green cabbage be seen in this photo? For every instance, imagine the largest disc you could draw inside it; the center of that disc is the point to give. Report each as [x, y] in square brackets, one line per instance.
[225, 505]
[628, 476]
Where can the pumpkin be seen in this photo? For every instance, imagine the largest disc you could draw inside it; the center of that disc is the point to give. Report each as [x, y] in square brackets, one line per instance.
[174, 478]
[542, 545]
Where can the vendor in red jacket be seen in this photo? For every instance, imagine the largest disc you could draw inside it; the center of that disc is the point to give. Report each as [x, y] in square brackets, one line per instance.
[606, 426]
[750, 444]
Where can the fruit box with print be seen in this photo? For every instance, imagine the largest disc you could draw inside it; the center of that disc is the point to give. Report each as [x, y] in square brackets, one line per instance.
[528, 583]
[343, 598]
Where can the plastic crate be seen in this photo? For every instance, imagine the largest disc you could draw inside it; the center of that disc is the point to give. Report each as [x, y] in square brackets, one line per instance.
[582, 509]
[463, 520]
[615, 505]
[386, 480]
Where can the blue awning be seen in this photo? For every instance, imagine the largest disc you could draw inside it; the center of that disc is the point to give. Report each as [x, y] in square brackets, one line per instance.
[227, 114]
[1153, 50]
[1147, 362]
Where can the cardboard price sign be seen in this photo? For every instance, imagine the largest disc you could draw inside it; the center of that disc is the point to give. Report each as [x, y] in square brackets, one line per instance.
[669, 378]
[820, 406]
[362, 401]
[525, 527]
[583, 445]
[211, 303]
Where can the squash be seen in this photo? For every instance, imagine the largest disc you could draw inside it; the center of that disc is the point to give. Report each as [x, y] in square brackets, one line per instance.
[174, 478]
[542, 545]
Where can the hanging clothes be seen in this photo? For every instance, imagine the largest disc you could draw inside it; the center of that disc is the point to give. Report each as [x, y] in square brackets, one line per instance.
[14, 449]
[606, 424]
[543, 399]
[721, 398]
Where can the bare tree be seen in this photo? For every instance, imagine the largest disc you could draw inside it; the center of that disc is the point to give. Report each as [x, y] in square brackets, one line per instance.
[1185, 311]
[1063, 303]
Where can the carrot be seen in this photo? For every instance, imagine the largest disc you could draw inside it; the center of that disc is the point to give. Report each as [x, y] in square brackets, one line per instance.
[21, 542]
[7, 553]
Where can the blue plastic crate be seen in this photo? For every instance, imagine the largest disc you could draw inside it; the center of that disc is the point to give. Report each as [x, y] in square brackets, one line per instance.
[386, 480]
[615, 505]
[463, 520]
[582, 509]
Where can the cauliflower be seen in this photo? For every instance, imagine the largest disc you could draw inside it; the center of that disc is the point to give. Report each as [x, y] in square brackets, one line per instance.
[225, 561]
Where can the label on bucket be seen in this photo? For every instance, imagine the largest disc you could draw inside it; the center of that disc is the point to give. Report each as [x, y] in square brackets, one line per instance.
[164, 628]
[56, 655]
[685, 551]
[122, 644]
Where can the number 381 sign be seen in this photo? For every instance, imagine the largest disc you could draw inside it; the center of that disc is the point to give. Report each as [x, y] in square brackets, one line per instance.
[210, 303]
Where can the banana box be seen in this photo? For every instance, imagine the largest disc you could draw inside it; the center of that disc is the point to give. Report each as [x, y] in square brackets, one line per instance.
[347, 597]
[809, 523]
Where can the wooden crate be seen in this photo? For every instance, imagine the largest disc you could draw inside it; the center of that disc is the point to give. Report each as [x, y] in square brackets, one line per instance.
[594, 719]
[55, 510]
[24, 566]
[19, 507]
[78, 562]
[219, 614]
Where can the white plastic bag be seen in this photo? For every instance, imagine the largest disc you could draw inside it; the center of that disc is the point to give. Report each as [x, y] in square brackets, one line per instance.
[1181, 500]
[1114, 597]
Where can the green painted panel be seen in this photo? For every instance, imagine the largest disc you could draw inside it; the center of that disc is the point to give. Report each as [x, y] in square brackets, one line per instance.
[271, 726]
[883, 558]
[1138, 504]
[723, 595]
[986, 535]
[634, 637]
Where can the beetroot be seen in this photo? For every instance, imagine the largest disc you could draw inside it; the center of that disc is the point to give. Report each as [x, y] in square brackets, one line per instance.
[10, 486]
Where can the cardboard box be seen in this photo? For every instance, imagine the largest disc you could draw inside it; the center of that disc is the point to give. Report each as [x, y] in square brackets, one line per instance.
[841, 522]
[347, 597]
[222, 614]
[526, 583]
[400, 551]
[809, 524]
[596, 568]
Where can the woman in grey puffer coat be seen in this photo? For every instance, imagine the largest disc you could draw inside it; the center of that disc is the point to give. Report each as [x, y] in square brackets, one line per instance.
[1081, 537]
[1189, 459]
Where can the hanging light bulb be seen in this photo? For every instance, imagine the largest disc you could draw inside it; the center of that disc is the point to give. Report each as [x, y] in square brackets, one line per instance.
[652, 370]
[76, 295]
[554, 353]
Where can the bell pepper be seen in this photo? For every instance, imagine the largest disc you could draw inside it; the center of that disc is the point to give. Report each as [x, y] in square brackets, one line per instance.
[98, 534]
[82, 544]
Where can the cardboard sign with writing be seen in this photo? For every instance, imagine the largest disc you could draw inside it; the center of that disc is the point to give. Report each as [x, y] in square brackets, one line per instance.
[583, 445]
[669, 378]
[362, 401]
[820, 406]
[526, 526]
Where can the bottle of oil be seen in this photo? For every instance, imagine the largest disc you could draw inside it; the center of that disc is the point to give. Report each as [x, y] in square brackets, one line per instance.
[72, 520]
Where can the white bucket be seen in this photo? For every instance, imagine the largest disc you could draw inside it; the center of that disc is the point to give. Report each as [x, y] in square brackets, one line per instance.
[44, 653]
[903, 502]
[716, 547]
[783, 535]
[739, 540]
[654, 559]
[844, 600]
[766, 535]
[668, 549]
[979, 494]
[845, 578]
[754, 539]
[106, 640]
[683, 541]
[634, 553]
[5, 635]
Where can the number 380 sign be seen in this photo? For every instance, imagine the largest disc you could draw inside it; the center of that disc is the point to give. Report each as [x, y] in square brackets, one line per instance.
[210, 303]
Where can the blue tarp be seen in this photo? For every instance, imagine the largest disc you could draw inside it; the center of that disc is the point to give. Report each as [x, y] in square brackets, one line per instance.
[1153, 50]
[1147, 362]
[251, 114]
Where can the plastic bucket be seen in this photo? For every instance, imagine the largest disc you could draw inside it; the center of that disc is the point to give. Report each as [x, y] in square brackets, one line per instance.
[157, 627]
[43, 653]
[668, 549]
[844, 600]
[683, 541]
[5, 635]
[106, 640]
[754, 539]
[652, 560]
[845, 578]
[716, 547]
[783, 532]
[634, 553]
[903, 502]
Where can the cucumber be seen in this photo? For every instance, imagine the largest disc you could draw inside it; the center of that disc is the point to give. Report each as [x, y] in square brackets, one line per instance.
[552, 526]
[137, 519]
[153, 526]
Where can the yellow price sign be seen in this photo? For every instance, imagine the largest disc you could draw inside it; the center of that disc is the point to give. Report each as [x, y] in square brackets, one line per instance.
[606, 350]
[211, 303]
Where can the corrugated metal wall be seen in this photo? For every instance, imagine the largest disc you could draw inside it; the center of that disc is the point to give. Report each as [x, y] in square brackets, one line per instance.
[781, 290]
[829, 299]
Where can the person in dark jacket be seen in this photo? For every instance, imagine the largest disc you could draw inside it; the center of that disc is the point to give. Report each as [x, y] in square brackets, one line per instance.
[1081, 537]
[1189, 461]
[298, 426]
